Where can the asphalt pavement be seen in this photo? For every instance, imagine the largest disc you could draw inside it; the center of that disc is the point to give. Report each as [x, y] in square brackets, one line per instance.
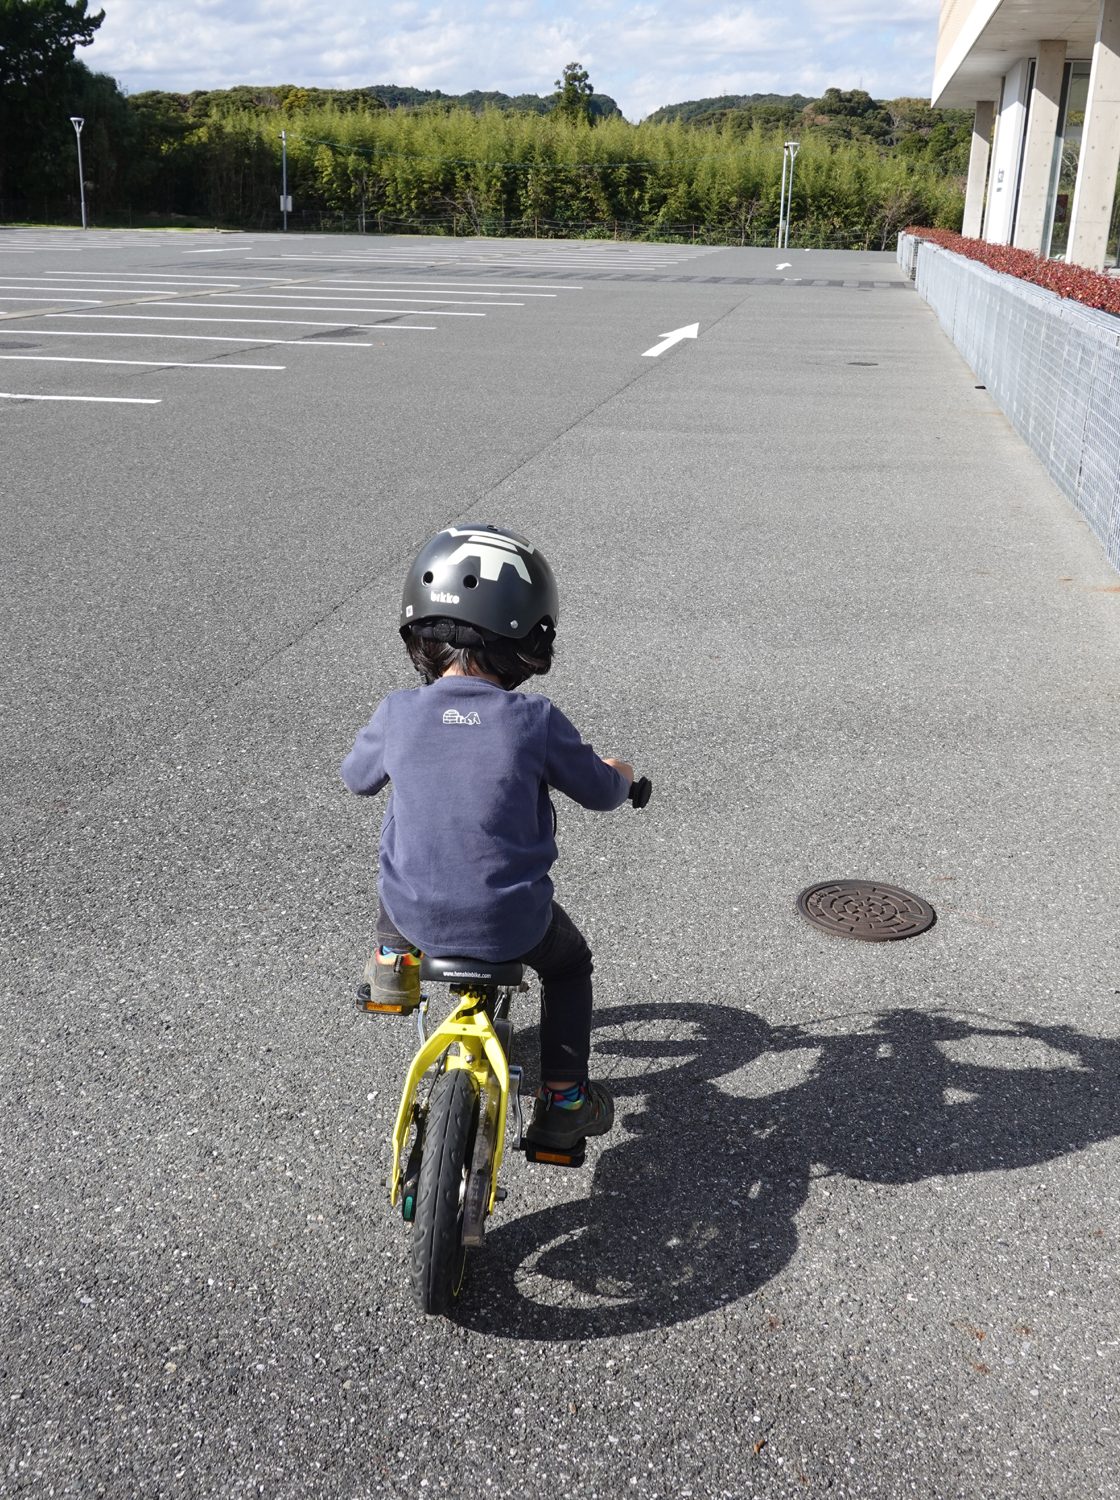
[856, 1230]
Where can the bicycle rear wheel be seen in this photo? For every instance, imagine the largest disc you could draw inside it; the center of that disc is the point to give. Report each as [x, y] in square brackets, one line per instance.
[437, 1254]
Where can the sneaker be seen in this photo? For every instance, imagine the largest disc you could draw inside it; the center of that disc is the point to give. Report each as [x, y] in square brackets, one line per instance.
[394, 979]
[557, 1128]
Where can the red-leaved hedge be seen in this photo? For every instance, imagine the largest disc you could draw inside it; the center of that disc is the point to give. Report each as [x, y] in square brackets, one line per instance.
[1074, 282]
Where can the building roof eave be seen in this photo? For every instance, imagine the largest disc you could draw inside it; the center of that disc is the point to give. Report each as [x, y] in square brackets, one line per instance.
[997, 34]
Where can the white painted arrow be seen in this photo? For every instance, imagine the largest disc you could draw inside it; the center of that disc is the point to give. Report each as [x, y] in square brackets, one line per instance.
[786, 265]
[692, 331]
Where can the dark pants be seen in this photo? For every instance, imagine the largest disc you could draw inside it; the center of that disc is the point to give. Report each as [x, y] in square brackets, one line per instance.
[563, 961]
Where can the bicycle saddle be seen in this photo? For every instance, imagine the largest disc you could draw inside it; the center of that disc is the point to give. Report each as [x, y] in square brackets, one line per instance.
[462, 970]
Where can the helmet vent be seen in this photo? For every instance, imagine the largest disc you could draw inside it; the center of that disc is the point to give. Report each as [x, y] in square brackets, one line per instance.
[484, 580]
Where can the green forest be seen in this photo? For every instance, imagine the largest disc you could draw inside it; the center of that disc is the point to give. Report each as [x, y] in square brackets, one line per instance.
[385, 158]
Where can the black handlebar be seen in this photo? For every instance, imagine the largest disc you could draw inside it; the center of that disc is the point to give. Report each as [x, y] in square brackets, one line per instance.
[640, 791]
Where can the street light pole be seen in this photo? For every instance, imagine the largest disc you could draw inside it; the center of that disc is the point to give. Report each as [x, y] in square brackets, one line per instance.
[78, 121]
[792, 147]
[284, 176]
[782, 203]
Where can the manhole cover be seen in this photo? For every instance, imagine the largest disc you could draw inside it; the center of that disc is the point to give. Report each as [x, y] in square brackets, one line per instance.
[863, 909]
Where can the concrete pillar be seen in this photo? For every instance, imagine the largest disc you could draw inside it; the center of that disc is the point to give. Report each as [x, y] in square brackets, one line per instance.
[978, 167]
[1038, 152]
[1100, 148]
[1007, 154]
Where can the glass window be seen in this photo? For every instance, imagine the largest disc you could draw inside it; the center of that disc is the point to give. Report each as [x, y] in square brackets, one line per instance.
[1067, 154]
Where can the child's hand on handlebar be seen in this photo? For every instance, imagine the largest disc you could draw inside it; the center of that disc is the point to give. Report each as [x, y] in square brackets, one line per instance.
[640, 790]
[622, 766]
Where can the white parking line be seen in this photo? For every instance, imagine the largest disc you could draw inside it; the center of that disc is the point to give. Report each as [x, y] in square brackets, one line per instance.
[208, 338]
[187, 281]
[362, 260]
[463, 262]
[92, 301]
[238, 280]
[161, 364]
[308, 291]
[537, 289]
[577, 262]
[430, 286]
[413, 255]
[51, 291]
[108, 400]
[338, 323]
[190, 281]
[399, 312]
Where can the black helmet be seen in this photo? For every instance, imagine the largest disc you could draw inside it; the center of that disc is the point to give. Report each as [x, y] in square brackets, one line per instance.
[484, 580]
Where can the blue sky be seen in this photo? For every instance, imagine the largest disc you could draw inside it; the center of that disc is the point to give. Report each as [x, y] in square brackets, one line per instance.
[642, 54]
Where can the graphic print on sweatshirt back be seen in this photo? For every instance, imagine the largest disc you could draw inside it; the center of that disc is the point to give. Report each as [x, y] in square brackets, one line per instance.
[467, 840]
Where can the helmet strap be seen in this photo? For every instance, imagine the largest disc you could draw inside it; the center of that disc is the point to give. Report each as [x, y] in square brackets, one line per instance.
[449, 632]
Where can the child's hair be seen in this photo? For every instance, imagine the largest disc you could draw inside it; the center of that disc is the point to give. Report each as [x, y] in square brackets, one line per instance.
[435, 646]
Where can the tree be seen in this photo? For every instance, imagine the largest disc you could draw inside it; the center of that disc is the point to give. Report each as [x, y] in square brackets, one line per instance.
[38, 39]
[572, 99]
[849, 114]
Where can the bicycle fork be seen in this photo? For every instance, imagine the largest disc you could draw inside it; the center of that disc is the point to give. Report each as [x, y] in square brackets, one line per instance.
[469, 1041]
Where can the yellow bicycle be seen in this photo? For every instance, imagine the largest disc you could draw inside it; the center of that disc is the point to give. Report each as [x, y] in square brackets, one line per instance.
[450, 1129]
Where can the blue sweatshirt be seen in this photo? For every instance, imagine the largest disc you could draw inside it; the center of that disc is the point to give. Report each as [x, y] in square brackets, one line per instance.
[468, 839]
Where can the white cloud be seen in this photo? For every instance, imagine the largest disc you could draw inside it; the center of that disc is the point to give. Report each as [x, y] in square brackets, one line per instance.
[644, 53]
[860, 13]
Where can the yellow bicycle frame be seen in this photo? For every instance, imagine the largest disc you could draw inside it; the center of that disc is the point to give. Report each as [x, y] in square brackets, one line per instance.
[470, 1041]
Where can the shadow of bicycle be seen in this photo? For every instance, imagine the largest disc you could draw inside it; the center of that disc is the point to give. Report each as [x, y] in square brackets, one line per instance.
[726, 1121]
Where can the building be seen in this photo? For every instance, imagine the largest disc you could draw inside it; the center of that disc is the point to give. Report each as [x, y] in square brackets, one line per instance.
[1044, 79]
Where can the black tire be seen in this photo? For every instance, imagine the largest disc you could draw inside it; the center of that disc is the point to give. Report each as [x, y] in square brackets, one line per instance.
[437, 1254]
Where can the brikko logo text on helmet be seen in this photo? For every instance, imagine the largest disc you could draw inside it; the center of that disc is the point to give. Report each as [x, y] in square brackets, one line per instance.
[444, 598]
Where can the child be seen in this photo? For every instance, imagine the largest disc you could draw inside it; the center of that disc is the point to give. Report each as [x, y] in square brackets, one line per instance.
[469, 834]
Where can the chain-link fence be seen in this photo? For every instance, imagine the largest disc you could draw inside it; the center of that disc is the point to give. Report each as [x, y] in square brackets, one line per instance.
[1052, 365]
[875, 236]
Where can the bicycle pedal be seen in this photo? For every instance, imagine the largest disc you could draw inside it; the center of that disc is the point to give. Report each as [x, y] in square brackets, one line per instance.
[555, 1156]
[364, 1001]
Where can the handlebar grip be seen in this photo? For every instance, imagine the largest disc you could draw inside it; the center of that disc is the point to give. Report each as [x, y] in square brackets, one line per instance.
[640, 791]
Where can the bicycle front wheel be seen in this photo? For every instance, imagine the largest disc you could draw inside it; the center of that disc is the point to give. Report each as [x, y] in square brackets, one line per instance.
[438, 1256]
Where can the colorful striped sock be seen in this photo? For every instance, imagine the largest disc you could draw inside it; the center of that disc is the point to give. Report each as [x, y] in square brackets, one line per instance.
[569, 1098]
